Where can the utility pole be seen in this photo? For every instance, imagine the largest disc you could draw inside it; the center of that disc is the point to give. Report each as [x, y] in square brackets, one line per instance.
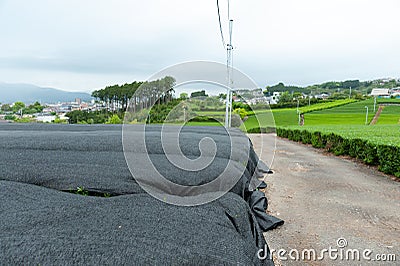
[366, 116]
[350, 93]
[229, 48]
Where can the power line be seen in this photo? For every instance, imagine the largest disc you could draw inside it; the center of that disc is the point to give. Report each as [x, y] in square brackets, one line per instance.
[220, 26]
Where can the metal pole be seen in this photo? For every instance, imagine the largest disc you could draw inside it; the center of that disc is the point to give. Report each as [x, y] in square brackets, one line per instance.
[350, 93]
[228, 108]
[366, 116]
[374, 103]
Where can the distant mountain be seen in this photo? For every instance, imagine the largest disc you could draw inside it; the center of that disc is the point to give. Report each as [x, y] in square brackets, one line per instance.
[28, 93]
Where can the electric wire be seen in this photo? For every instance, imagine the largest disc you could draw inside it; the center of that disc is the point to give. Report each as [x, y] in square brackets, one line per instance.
[220, 26]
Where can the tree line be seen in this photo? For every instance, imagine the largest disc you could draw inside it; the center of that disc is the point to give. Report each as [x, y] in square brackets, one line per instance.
[142, 94]
[137, 96]
[20, 107]
[363, 87]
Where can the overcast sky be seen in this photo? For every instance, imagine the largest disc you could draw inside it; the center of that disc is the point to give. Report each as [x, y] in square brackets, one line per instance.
[80, 45]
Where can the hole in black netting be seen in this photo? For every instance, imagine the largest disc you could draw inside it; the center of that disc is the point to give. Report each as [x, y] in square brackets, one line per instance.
[91, 192]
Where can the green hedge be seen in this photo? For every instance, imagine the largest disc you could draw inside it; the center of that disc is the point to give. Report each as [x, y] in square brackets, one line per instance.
[256, 130]
[389, 159]
[385, 156]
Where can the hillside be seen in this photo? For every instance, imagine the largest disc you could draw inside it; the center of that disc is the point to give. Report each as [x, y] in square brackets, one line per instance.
[337, 87]
[30, 93]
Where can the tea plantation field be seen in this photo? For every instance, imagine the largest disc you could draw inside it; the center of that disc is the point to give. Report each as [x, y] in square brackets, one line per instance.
[345, 130]
[348, 120]
[341, 127]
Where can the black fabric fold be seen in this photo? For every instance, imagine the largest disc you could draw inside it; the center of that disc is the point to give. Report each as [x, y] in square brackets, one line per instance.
[40, 221]
[259, 204]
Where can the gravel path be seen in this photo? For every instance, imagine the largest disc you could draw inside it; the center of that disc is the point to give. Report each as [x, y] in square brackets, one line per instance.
[323, 198]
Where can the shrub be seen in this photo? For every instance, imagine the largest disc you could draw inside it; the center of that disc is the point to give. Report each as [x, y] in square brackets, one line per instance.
[200, 118]
[296, 135]
[317, 140]
[306, 137]
[356, 147]
[241, 112]
[389, 159]
[386, 156]
[10, 117]
[282, 132]
[255, 130]
[114, 120]
[370, 155]
[337, 144]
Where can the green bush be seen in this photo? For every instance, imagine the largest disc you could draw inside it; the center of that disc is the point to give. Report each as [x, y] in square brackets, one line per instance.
[201, 118]
[282, 132]
[389, 159]
[317, 140]
[363, 150]
[290, 134]
[336, 144]
[370, 155]
[10, 117]
[241, 112]
[356, 147]
[386, 156]
[255, 130]
[296, 135]
[305, 137]
[113, 120]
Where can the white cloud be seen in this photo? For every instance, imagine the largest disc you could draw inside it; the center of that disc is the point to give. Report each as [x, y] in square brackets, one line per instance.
[81, 45]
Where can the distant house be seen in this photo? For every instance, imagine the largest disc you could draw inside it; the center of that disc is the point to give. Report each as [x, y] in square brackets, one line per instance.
[380, 92]
[322, 96]
[274, 98]
[49, 118]
[395, 92]
[45, 118]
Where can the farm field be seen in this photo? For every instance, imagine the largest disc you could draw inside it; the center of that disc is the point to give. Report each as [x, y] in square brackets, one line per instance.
[350, 114]
[349, 121]
[390, 115]
[341, 112]
[377, 134]
[343, 117]
[340, 130]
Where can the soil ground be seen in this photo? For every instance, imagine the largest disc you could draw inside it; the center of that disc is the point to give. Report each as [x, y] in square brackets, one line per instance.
[324, 198]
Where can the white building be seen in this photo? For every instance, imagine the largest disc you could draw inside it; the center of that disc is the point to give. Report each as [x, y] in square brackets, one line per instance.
[274, 99]
[380, 92]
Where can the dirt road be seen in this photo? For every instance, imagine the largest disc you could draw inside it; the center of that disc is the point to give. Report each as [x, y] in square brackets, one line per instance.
[324, 198]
